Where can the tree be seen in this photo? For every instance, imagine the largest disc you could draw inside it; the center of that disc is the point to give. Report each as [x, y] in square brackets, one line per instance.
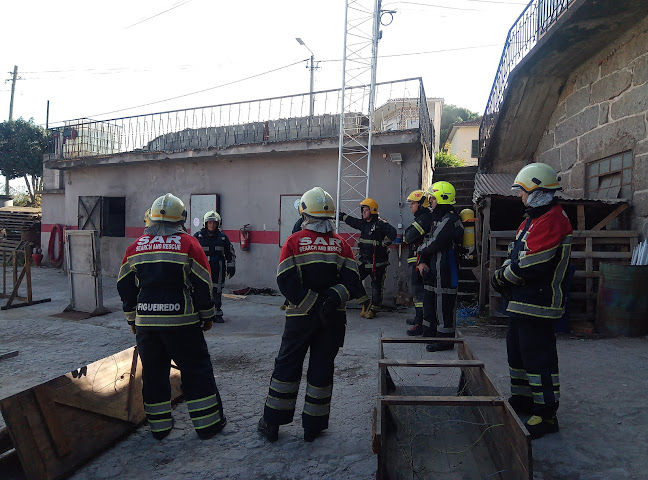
[22, 145]
[452, 114]
[445, 159]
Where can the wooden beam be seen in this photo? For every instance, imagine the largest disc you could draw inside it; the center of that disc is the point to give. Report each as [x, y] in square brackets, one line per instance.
[442, 400]
[610, 217]
[580, 212]
[8, 354]
[484, 283]
[430, 363]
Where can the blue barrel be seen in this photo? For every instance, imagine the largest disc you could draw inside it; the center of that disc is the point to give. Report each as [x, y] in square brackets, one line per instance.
[622, 308]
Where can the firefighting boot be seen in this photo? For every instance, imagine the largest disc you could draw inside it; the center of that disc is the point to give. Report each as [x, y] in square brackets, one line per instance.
[412, 321]
[219, 319]
[539, 426]
[159, 435]
[521, 404]
[415, 330]
[269, 431]
[209, 432]
[365, 308]
[310, 435]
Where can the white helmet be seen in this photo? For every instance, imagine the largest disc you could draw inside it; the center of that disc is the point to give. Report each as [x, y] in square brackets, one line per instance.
[168, 208]
[211, 216]
[317, 203]
[537, 176]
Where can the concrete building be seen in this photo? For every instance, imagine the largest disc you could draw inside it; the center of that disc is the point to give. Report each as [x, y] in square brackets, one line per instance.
[251, 171]
[573, 93]
[464, 141]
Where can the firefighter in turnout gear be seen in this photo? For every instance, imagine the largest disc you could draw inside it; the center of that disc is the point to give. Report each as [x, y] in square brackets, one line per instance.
[165, 286]
[318, 274]
[533, 280]
[221, 256]
[439, 266]
[376, 235]
[415, 235]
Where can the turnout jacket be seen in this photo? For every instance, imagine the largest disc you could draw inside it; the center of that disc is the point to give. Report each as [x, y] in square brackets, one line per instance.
[538, 262]
[416, 233]
[438, 250]
[164, 281]
[313, 264]
[375, 238]
[219, 251]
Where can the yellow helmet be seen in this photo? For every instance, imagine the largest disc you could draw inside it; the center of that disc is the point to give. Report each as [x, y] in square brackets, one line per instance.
[317, 203]
[419, 196]
[444, 193]
[168, 208]
[372, 204]
[211, 216]
[537, 176]
[147, 217]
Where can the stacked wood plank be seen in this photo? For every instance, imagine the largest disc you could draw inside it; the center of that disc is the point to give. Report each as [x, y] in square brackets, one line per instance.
[589, 249]
[14, 221]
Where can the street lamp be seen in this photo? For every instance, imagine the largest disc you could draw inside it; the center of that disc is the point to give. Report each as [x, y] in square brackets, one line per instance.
[312, 72]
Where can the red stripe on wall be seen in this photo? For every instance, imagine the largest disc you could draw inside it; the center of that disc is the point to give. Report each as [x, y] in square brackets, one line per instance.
[47, 227]
[256, 236]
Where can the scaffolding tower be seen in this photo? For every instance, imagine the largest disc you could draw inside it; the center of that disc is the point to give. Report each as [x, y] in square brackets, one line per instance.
[361, 35]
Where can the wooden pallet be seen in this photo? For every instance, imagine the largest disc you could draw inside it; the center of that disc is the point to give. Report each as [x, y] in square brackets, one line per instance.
[589, 249]
[60, 424]
[502, 449]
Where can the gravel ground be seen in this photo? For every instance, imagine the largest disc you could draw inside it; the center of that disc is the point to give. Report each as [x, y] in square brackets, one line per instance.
[602, 416]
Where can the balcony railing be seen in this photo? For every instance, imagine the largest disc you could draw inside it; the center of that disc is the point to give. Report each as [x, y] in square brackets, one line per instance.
[531, 25]
[401, 106]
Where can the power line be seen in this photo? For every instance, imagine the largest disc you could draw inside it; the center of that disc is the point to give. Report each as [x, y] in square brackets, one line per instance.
[158, 14]
[201, 91]
[428, 52]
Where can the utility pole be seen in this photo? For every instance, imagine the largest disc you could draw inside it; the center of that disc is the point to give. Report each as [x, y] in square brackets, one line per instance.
[13, 89]
[312, 77]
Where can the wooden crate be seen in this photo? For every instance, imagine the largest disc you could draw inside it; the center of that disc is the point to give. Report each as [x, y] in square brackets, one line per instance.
[499, 446]
[589, 249]
[60, 424]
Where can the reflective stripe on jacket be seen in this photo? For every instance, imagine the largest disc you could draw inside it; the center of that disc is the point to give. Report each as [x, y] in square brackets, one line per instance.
[538, 263]
[375, 238]
[312, 263]
[165, 281]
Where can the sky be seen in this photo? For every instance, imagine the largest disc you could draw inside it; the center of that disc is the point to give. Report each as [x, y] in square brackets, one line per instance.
[99, 59]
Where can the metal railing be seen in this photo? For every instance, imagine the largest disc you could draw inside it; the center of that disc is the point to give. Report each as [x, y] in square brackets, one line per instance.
[531, 25]
[400, 104]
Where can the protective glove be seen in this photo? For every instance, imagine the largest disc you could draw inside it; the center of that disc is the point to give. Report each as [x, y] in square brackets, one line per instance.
[500, 285]
[207, 324]
[327, 309]
[386, 242]
[341, 216]
[133, 329]
[231, 271]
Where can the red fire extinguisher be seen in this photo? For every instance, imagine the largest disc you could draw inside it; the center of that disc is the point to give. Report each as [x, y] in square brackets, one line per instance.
[244, 237]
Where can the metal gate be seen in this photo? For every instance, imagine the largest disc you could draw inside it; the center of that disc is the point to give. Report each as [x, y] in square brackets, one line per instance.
[84, 271]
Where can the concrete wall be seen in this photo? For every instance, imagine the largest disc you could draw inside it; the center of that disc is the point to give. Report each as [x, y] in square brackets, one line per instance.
[249, 189]
[603, 111]
[461, 145]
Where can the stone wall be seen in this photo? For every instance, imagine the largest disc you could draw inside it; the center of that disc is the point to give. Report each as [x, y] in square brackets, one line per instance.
[603, 111]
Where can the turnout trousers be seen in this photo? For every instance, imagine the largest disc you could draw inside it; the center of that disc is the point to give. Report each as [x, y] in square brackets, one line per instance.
[377, 283]
[439, 305]
[418, 292]
[302, 333]
[218, 280]
[533, 363]
[157, 346]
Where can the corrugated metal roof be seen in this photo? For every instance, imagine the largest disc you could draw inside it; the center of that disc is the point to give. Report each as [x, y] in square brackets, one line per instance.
[499, 184]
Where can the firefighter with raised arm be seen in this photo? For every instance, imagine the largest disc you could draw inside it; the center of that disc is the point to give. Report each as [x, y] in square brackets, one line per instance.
[221, 256]
[439, 266]
[318, 274]
[166, 289]
[414, 236]
[533, 281]
[376, 235]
